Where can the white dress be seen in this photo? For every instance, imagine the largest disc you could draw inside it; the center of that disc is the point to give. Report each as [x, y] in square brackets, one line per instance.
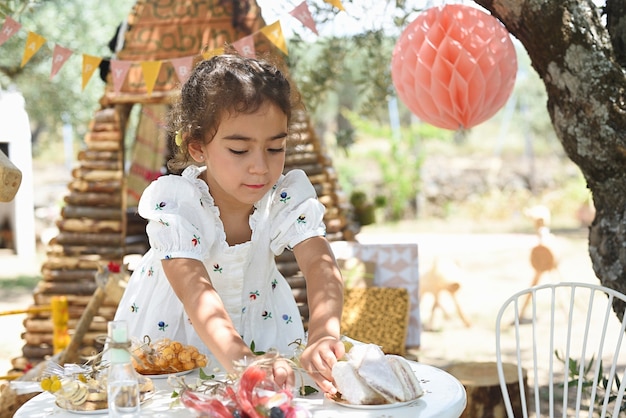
[185, 223]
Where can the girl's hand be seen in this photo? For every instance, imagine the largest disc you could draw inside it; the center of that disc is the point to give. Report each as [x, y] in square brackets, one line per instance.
[318, 360]
[283, 373]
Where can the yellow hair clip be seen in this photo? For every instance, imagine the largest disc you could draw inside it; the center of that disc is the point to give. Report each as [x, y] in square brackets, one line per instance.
[179, 138]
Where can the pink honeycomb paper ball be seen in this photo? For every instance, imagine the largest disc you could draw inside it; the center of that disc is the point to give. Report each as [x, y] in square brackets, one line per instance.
[454, 66]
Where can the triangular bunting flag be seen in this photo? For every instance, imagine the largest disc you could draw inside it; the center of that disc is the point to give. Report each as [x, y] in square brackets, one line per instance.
[119, 69]
[274, 33]
[245, 46]
[303, 14]
[212, 52]
[9, 28]
[33, 43]
[59, 56]
[150, 73]
[90, 64]
[182, 66]
[336, 3]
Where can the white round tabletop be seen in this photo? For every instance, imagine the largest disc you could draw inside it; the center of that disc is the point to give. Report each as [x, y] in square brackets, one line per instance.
[444, 397]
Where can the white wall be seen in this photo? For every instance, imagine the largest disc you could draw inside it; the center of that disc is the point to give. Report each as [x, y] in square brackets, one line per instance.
[15, 130]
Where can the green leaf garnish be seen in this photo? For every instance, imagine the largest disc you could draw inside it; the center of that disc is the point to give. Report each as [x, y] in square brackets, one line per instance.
[205, 376]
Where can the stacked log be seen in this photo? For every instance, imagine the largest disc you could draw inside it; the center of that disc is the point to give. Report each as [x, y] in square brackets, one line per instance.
[91, 234]
[306, 152]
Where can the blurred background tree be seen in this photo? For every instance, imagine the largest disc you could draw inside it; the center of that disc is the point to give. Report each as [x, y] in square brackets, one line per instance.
[577, 47]
[80, 25]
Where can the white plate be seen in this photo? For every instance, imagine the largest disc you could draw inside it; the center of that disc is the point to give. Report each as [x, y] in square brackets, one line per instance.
[166, 375]
[94, 412]
[144, 397]
[380, 406]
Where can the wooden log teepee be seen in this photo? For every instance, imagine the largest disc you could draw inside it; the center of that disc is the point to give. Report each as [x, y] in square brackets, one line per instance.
[99, 223]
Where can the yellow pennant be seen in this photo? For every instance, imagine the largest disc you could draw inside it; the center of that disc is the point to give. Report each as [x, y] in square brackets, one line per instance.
[33, 43]
[212, 52]
[336, 3]
[150, 73]
[90, 64]
[274, 33]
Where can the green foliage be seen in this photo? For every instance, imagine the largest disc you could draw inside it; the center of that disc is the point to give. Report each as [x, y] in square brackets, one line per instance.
[587, 384]
[364, 210]
[358, 198]
[15, 7]
[401, 177]
[336, 74]
[79, 25]
[20, 282]
[253, 349]
[399, 164]
[205, 376]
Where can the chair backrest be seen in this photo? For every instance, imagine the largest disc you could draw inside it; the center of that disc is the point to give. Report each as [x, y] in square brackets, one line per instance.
[567, 351]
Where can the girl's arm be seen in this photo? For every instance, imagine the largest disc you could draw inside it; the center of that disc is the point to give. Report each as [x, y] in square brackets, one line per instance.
[325, 299]
[191, 283]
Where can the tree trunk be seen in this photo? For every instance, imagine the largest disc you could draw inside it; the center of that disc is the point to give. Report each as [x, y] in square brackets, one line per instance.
[571, 50]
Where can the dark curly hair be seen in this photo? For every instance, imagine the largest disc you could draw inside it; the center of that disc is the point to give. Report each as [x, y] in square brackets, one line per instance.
[222, 85]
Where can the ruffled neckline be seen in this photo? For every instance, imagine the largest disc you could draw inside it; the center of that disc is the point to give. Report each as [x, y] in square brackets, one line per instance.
[192, 173]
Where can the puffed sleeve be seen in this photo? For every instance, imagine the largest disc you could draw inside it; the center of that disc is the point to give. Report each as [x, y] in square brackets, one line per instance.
[295, 213]
[177, 221]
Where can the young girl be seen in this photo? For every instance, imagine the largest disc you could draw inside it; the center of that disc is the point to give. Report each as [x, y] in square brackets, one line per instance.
[209, 278]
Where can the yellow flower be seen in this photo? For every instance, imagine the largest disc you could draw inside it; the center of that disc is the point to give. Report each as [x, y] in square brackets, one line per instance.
[179, 138]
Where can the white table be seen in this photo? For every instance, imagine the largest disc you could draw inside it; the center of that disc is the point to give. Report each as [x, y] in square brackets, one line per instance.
[444, 397]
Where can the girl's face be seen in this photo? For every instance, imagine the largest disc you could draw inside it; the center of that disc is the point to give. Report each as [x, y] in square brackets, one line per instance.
[246, 156]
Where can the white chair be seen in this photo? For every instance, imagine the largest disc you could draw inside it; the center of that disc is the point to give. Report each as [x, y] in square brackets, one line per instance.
[567, 352]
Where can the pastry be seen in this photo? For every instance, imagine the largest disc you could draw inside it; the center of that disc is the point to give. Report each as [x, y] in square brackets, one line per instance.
[369, 377]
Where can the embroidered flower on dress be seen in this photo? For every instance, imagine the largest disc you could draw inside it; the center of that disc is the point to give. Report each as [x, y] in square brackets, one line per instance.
[162, 222]
[160, 206]
[284, 197]
[301, 219]
[287, 319]
[134, 308]
[266, 315]
[162, 325]
[274, 283]
[195, 240]
[150, 271]
[254, 295]
[217, 268]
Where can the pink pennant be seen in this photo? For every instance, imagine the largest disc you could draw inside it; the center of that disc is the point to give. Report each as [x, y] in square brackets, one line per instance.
[303, 14]
[9, 28]
[59, 56]
[119, 69]
[182, 66]
[245, 46]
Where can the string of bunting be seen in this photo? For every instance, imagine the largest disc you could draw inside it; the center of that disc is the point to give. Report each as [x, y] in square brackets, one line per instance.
[150, 69]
